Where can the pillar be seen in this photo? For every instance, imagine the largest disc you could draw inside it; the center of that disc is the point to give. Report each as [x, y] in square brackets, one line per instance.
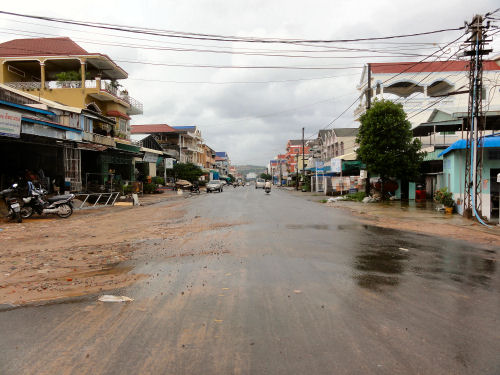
[42, 75]
[82, 70]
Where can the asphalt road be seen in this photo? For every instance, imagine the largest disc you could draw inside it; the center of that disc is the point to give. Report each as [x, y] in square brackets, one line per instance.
[294, 287]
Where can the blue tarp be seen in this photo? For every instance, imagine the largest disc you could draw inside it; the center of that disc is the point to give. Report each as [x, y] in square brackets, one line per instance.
[489, 141]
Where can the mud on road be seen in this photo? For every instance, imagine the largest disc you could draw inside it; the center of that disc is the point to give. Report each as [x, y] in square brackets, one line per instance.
[47, 258]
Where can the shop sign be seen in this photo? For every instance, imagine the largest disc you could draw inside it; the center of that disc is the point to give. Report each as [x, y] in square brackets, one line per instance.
[169, 163]
[336, 165]
[10, 123]
[149, 157]
[319, 166]
[362, 173]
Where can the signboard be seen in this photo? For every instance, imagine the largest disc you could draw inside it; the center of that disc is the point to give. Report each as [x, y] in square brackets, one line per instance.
[336, 165]
[285, 174]
[498, 177]
[149, 157]
[10, 123]
[362, 173]
[169, 163]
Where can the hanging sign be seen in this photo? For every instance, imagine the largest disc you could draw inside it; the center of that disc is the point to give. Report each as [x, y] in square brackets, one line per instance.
[10, 123]
[169, 163]
[336, 165]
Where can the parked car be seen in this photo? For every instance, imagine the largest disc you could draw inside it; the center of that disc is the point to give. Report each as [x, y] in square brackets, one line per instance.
[260, 183]
[214, 185]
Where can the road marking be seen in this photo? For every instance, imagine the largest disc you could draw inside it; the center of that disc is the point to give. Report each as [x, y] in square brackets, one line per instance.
[218, 320]
[225, 288]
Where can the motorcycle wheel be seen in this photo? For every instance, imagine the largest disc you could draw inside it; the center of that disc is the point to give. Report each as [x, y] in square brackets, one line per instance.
[67, 211]
[17, 217]
[27, 212]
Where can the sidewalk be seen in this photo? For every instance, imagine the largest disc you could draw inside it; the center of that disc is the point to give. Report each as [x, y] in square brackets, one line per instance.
[415, 217]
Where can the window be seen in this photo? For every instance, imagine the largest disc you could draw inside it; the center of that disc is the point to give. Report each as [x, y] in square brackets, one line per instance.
[123, 126]
[87, 125]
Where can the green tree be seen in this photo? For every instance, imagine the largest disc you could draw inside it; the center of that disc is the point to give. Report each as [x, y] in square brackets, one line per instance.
[386, 143]
[187, 171]
[265, 176]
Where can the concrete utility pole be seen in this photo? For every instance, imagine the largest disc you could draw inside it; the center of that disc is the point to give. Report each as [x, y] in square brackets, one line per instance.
[368, 105]
[297, 171]
[303, 155]
[474, 159]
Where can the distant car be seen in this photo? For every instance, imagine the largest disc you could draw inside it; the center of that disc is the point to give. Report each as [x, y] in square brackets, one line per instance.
[260, 183]
[214, 185]
[247, 184]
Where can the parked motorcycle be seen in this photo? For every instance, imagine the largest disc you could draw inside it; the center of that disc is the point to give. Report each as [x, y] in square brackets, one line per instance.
[10, 197]
[37, 202]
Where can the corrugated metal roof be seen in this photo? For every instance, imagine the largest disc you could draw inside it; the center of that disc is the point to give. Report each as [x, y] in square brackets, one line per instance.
[490, 141]
[152, 128]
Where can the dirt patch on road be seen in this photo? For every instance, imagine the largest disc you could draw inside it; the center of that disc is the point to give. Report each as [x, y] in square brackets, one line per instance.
[50, 258]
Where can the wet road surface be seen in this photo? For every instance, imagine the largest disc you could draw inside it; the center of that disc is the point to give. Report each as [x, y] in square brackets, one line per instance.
[294, 287]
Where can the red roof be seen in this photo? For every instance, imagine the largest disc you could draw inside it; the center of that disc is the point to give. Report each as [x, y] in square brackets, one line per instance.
[41, 46]
[118, 114]
[434, 66]
[152, 128]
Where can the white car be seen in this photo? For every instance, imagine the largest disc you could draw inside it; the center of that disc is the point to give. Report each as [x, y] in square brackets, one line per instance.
[260, 183]
[214, 185]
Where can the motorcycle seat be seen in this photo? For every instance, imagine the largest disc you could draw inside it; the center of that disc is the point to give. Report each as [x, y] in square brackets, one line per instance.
[59, 198]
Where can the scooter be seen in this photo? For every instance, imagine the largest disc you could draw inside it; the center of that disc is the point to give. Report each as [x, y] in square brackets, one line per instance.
[60, 205]
[12, 203]
[267, 190]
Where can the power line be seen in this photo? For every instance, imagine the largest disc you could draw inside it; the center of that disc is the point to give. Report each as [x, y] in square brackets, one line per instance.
[215, 37]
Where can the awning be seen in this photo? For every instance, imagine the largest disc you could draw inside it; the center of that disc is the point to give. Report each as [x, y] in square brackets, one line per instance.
[91, 147]
[118, 114]
[27, 108]
[50, 123]
[491, 141]
[127, 147]
[349, 156]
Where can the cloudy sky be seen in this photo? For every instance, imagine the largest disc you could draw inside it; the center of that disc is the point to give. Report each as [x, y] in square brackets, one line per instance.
[240, 104]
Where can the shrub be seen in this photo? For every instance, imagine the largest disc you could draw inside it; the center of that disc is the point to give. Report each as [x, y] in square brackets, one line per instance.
[444, 197]
[127, 189]
[358, 197]
[158, 180]
[150, 188]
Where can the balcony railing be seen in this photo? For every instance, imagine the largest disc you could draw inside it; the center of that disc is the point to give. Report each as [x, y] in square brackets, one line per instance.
[25, 85]
[136, 107]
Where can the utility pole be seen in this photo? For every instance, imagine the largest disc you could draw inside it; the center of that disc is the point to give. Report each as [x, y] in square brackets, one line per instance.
[368, 105]
[297, 171]
[473, 158]
[303, 155]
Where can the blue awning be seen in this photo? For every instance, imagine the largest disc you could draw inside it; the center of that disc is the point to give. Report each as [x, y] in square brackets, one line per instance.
[490, 141]
[27, 108]
[51, 124]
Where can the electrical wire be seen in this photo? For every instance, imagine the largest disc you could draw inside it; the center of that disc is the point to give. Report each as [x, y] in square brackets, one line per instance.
[215, 37]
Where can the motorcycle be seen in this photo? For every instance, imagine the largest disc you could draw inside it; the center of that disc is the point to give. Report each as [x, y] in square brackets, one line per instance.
[36, 201]
[195, 189]
[12, 203]
[267, 190]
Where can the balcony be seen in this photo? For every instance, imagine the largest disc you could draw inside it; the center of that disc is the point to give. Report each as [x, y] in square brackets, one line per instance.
[97, 138]
[101, 90]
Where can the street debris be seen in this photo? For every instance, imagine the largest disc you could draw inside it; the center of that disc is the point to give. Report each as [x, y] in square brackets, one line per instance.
[111, 298]
[403, 249]
[297, 291]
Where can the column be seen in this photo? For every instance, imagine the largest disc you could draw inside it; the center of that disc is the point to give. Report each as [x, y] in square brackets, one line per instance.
[42, 75]
[82, 69]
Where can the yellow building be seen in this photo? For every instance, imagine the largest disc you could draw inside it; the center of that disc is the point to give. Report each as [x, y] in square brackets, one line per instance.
[60, 70]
